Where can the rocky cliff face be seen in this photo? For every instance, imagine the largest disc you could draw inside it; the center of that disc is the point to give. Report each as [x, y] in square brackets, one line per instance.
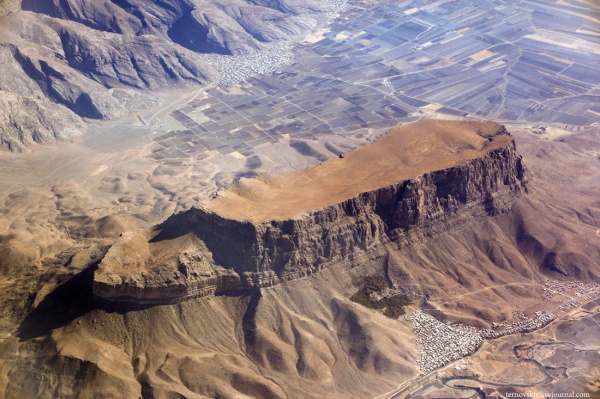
[240, 255]
[420, 206]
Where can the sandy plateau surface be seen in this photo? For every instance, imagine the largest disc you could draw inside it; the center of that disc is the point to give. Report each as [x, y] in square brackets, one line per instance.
[403, 153]
[63, 205]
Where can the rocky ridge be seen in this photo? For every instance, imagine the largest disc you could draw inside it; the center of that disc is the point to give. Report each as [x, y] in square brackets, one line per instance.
[199, 252]
[106, 59]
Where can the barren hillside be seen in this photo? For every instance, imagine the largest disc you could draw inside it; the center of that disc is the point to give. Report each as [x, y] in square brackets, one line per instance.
[303, 338]
[67, 60]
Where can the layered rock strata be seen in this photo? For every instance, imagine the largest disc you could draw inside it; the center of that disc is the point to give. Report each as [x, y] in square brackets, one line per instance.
[232, 244]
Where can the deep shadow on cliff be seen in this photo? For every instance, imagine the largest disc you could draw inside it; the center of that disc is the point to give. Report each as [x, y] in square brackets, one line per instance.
[66, 303]
[305, 338]
[268, 230]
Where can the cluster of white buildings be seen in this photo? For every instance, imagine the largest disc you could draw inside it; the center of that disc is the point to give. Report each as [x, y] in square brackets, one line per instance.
[587, 292]
[572, 304]
[442, 343]
[335, 6]
[523, 324]
[236, 69]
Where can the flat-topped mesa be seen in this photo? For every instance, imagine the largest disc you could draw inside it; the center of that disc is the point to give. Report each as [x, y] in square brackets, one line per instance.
[403, 153]
[417, 180]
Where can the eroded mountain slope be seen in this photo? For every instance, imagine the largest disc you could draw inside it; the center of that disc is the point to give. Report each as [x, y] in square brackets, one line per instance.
[103, 59]
[304, 338]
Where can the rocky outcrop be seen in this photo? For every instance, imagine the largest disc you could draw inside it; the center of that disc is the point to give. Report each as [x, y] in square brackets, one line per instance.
[241, 254]
[421, 206]
[28, 119]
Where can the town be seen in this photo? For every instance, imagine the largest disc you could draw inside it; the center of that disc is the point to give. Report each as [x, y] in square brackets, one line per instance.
[239, 68]
[442, 343]
[375, 68]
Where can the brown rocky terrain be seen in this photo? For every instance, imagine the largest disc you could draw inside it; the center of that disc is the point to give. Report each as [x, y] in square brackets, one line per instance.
[481, 259]
[416, 181]
[67, 60]
[404, 153]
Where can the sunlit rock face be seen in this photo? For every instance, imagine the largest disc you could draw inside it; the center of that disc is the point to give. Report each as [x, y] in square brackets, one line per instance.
[423, 179]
